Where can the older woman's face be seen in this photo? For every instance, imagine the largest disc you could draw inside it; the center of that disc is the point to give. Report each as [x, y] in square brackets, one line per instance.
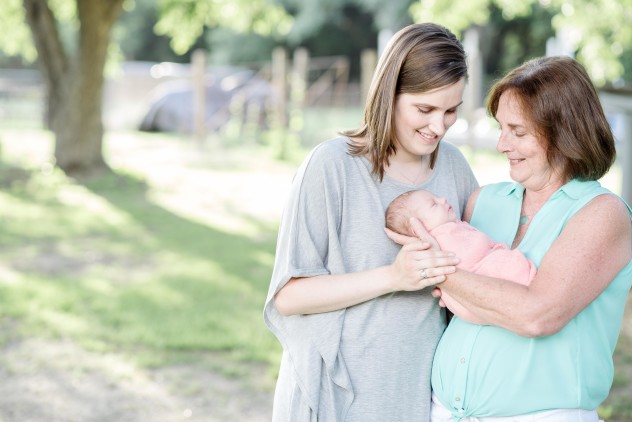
[528, 164]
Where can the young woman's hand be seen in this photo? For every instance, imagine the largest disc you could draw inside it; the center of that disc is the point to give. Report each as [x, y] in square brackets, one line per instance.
[420, 264]
[420, 234]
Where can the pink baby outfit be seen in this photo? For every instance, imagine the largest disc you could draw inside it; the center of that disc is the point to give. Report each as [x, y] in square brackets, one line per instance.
[481, 255]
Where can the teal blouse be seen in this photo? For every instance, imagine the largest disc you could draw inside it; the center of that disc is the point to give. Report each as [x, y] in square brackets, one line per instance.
[490, 371]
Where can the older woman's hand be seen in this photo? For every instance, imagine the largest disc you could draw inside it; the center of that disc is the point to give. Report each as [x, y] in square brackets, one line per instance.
[436, 292]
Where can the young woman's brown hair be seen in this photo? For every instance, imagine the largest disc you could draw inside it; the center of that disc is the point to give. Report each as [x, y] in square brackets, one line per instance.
[419, 58]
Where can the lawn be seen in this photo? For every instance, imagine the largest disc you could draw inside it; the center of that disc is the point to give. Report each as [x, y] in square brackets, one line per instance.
[165, 262]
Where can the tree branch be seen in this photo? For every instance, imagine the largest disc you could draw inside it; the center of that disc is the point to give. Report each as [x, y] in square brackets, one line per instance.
[50, 50]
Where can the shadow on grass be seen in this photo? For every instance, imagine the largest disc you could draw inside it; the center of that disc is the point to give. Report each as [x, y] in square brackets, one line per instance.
[160, 286]
[233, 252]
[225, 304]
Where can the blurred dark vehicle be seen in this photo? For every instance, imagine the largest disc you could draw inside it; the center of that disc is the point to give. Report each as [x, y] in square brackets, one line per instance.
[231, 93]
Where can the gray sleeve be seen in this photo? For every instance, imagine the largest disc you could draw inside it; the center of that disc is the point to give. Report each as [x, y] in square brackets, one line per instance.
[307, 236]
[308, 223]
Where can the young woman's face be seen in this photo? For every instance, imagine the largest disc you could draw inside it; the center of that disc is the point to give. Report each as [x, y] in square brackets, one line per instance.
[528, 163]
[431, 210]
[421, 120]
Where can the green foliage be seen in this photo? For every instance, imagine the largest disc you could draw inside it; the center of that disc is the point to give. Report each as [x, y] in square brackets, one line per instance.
[167, 29]
[310, 16]
[457, 15]
[135, 38]
[603, 33]
[510, 43]
[515, 9]
[229, 47]
[16, 41]
[392, 15]
[185, 20]
[599, 30]
[181, 22]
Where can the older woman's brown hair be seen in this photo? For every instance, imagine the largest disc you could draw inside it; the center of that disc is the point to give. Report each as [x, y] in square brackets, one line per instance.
[419, 58]
[558, 98]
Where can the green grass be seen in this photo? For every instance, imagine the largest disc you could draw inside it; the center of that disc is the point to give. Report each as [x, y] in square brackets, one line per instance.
[103, 264]
[108, 264]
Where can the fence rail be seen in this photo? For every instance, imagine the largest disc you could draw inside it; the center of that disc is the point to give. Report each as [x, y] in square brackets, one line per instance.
[21, 98]
[128, 95]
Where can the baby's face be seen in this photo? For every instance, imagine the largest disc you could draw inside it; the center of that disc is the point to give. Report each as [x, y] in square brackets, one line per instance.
[432, 211]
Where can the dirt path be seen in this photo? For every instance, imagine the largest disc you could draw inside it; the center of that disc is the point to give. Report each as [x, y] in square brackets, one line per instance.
[45, 381]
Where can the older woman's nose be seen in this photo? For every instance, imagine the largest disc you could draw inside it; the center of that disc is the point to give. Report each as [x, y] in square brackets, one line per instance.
[502, 145]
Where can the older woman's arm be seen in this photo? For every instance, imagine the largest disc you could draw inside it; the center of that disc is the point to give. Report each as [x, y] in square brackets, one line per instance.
[469, 207]
[593, 247]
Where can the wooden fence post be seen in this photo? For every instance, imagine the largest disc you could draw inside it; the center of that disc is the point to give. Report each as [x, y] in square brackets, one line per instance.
[198, 71]
[300, 66]
[341, 81]
[368, 63]
[279, 84]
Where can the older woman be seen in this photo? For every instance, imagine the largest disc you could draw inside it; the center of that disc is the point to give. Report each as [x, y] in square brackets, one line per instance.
[547, 353]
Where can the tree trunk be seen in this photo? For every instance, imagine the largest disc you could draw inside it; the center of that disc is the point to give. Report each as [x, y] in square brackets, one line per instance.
[75, 119]
[75, 81]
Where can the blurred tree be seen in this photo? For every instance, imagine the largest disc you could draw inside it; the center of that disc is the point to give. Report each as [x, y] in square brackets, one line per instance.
[134, 35]
[344, 27]
[598, 32]
[311, 16]
[228, 47]
[348, 35]
[347, 32]
[507, 43]
[71, 38]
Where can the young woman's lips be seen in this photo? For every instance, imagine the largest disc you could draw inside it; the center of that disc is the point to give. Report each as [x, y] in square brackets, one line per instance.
[425, 136]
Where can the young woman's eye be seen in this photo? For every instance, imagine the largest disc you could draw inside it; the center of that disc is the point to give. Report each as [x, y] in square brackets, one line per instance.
[451, 111]
[423, 111]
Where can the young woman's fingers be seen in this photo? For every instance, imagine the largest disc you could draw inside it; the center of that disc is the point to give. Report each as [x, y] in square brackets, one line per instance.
[400, 239]
[420, 231]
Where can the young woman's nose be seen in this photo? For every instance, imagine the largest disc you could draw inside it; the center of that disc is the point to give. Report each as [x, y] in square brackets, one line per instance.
[437, 124]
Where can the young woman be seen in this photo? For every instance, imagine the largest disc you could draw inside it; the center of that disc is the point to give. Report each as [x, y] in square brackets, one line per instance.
[349, 306]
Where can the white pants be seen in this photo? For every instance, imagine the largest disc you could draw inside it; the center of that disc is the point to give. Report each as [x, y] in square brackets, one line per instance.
[438, 413]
